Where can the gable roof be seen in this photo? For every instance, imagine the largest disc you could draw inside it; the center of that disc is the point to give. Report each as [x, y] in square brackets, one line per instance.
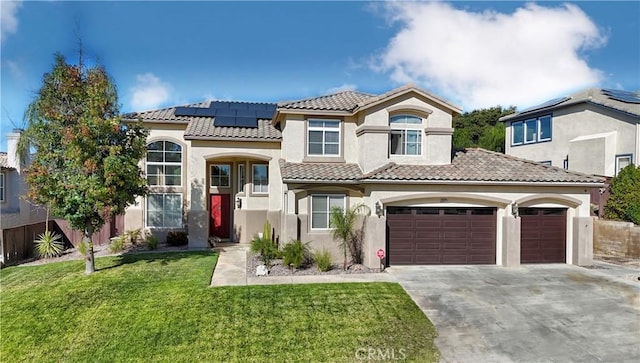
[470, 165]
[594, 96]
[204, 128]
[351, 102]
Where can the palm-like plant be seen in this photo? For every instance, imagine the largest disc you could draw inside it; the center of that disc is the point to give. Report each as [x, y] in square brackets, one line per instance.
[342, 223]
[49, 244]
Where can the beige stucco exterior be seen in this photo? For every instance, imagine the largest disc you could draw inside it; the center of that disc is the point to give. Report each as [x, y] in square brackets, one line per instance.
[588, 135]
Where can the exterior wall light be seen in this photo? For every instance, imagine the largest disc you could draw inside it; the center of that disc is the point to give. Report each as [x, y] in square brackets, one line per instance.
[514, 210]
[238, 203]
[379, 210]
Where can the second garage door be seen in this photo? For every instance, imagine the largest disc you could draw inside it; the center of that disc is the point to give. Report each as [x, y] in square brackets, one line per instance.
[543, 236]
[433, 236]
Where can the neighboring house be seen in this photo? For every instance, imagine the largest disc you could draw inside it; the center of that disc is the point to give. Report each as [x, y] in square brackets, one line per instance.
[14, 210]
[594, 131]
[220, 169]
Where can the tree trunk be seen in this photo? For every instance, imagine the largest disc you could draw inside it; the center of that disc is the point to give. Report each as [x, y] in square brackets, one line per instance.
[90, 266]
[344, 266]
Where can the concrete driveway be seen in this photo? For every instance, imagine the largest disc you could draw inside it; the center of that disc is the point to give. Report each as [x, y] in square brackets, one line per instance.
[534, 313]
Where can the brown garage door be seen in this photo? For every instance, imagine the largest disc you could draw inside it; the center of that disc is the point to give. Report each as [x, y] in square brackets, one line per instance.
[543, 235]
[433, 236]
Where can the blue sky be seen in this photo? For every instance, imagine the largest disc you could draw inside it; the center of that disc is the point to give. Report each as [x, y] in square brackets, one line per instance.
[474, 54]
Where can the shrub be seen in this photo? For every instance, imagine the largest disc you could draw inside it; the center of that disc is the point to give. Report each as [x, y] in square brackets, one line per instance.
[117, 244]
[265, 248]
[49, 244]
[152, 242]
[624, 201]
[323, 260]
[295, 254]
[177, 238]
[134, 235]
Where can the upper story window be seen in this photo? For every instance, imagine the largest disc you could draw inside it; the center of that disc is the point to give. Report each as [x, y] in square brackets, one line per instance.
[1, 187]
[221, 175]
[622, 161]
[164, 164]
[323, 138]
[531, 130]
[260, 178]
[405, 137]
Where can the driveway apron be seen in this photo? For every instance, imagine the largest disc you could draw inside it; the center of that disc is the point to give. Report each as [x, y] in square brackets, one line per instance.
[533, 313]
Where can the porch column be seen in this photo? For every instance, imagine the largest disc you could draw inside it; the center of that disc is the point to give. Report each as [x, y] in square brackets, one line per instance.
[582, 241]
[197, 214]
[511, 241]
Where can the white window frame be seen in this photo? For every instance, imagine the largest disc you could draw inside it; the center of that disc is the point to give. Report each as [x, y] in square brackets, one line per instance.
[242, 181]
[565, 163]
[545, 162]
[539, 124]
[513, 133]
[228, 185]
[623, 156]
[324, 129]
[404, 128]
[148, 210]
[2, 186]
[537, 134]
[161, 178]
[253, 179]
[526, 130]
[328, 212]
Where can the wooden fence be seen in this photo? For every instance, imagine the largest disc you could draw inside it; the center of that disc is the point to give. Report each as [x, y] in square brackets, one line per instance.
[17, 243]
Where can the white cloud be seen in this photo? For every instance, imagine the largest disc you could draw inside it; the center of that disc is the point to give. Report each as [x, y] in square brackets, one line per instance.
[489, 58]
[8, 18]
[149, 92]
[14, 69]
[344, 87]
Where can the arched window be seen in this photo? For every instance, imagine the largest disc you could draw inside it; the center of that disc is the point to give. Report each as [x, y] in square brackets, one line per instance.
[164, 164]
[405, 137]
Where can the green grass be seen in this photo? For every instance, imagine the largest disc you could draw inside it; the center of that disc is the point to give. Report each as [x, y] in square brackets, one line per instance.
[159, 308]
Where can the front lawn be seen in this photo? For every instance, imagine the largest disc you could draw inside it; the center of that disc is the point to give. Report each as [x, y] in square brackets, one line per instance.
[158, 307]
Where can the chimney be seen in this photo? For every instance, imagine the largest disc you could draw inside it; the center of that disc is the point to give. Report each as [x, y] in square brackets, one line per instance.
[13, 158]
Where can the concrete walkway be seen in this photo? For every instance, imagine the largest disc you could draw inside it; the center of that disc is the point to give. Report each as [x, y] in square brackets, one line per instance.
[231, 270]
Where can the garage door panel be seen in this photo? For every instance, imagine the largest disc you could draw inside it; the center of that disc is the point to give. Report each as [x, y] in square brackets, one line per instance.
[425, 235]
[543, 235]
[427, 246]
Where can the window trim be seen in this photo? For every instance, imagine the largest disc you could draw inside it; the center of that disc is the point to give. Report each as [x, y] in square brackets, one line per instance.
[404, 128]
[146, 212]
[211, 176]
[253, 185]
[3, 186]
[565, 163]
[620, 156]
[538, 130]
[163, 164]
[242, 179]
[326, 195]
[324, 130]
[546, 162]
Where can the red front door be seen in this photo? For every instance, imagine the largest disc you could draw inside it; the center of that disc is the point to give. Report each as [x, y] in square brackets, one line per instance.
[220, 211]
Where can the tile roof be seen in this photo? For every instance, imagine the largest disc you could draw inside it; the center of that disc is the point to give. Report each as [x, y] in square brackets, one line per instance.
[332, 172]
[4, 160]
[203, 128]
[341, 101]
[591, 95]
[470, 165]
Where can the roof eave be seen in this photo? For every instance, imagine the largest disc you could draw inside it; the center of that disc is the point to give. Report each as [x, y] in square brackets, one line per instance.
[480, 182]
[452, 107]
[318, 181]
[219, 138]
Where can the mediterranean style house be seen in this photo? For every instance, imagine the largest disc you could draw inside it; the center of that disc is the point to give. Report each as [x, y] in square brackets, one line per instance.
[595, 131]
[221, 169]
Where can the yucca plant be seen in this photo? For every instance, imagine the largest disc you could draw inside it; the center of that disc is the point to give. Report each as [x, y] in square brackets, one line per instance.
[265, 248]
[49, 244]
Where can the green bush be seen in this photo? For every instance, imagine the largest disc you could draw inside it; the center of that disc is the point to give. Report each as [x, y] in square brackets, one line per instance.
[49, 244]
[295, 254]
[323, 260]
[265, 248]
[177, 238]
[134, 235]
[152, 242]
[117, 244]
[624, 200]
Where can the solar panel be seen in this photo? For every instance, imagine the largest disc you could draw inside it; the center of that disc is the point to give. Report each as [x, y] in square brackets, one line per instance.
[205, 112]
[185, 111]
[246, 113]
[247, 122]
[238, 105]
[623, 96]
[225, 121]
[225, 112]
[219, 104]
[546, 104]
[265, 114]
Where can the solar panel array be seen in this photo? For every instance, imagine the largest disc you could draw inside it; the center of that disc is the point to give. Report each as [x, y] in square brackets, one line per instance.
[549, 103]
[623, 96]
[231, 114]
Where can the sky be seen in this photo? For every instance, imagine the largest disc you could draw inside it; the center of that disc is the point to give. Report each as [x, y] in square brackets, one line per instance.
[474, 54]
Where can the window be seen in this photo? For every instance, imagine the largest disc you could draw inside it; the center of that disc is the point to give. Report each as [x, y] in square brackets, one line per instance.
[260, 178]
[164, 164]
[531, 130]
[321, 209]
[565, 163]
[1, 187]
[406, 135]
[622, 161]
[164, 210]
[323, 137]
[220, 175]
[241, 180]
[546, 162]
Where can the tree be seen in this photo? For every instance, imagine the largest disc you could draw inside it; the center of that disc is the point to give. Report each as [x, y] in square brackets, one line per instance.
[481, 128]
[624, 200]
[86, 160]
[342, 229]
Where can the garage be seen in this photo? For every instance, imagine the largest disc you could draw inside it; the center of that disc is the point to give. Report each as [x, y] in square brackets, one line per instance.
[435, 236]
[543, 235]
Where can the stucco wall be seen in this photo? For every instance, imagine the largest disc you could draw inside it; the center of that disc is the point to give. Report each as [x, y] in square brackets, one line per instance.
[613, 238]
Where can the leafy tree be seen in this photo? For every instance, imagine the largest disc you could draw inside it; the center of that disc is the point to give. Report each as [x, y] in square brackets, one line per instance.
[624, 200]
[86, 160]
[480, 128]
[342, 229]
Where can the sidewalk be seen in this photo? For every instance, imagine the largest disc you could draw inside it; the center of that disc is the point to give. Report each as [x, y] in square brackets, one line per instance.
[231, 270]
